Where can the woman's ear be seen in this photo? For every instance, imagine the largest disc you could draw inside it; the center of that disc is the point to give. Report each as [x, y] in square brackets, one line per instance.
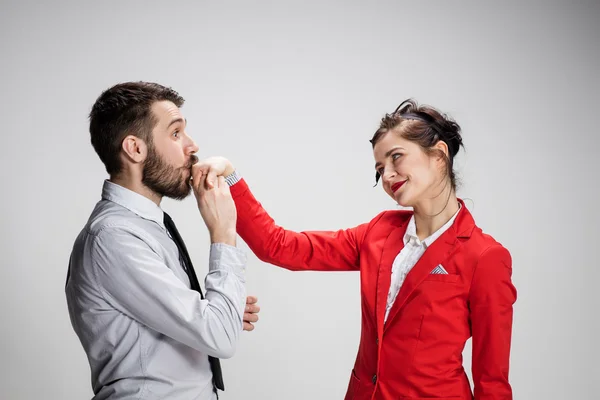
[443, 147]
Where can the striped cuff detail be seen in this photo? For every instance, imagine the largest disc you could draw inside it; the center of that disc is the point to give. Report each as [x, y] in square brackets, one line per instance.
[233, 178]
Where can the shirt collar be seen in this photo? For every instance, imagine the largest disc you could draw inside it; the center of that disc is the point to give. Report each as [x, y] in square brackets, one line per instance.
[134, 202]
[411, 231]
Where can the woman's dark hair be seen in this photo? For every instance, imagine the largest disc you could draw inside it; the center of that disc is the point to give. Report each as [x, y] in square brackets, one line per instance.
[425, 126]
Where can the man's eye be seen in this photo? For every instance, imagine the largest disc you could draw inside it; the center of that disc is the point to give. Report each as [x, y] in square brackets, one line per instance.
[176, 133]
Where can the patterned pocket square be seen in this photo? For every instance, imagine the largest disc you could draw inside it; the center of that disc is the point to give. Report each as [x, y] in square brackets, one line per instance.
[439, 270]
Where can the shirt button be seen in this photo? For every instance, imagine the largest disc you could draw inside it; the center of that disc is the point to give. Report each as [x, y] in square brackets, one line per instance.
[377, 341]
[374, 379]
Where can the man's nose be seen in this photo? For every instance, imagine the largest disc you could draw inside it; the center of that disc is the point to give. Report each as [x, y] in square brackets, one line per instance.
[192, 147]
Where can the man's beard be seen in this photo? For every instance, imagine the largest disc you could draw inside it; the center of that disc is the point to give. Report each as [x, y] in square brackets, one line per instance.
[166, 180]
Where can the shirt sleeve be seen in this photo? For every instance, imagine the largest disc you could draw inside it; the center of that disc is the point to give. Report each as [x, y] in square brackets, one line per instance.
[136, 281]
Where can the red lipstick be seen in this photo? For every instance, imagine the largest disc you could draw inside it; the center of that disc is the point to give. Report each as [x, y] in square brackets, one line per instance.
[397, 186]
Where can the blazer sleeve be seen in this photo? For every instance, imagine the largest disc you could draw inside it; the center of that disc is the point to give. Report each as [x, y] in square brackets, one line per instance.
[308, 250]
[491, 300]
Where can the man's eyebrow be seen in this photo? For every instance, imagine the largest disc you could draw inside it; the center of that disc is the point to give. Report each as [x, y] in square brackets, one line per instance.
[176, 120]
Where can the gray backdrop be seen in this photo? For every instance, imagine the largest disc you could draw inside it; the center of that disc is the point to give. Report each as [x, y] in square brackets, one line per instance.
[291, 91]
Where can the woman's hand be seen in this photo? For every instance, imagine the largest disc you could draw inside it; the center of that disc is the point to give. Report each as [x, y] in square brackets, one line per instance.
[214, 167]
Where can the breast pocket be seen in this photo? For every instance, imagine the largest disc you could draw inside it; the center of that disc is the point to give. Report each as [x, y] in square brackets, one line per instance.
[449, 278]
[441, 292]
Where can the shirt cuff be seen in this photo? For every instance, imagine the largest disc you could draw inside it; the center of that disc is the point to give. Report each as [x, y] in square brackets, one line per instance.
[233, 178]
[225, 257]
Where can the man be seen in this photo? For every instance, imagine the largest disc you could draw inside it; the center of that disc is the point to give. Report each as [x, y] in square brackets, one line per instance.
[133, 297]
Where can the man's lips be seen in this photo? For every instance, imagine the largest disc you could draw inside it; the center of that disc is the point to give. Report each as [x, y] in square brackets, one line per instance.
[397, 186]
[188, 165]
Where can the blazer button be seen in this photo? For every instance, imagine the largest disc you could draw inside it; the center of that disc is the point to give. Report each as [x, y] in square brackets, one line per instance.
[374, 379]
[377, 341]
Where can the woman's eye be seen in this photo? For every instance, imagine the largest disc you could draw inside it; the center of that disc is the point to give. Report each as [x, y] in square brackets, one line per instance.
[380, 171]
[396, 156]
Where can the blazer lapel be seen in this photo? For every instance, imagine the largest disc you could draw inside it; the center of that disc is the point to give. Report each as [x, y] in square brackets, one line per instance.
[435, 254]
[392, 246]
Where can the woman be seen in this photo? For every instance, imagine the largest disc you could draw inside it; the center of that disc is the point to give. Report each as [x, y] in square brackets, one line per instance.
[430, 278]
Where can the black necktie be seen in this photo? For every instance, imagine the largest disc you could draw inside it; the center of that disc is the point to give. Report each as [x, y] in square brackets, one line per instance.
[186, 261]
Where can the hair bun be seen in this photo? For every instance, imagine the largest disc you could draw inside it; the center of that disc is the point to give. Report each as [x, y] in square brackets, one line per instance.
[451, 134]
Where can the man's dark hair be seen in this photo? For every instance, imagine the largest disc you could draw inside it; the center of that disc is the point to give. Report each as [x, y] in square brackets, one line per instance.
[125, 109]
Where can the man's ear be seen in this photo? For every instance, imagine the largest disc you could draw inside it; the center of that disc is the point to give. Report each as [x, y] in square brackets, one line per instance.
[134, 148]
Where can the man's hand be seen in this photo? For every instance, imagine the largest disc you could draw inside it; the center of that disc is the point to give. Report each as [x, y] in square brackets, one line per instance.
[216, 207]
[250, 314]
[213, 167]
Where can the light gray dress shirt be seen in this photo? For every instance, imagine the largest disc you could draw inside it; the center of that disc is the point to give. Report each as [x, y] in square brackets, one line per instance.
[146, 334]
